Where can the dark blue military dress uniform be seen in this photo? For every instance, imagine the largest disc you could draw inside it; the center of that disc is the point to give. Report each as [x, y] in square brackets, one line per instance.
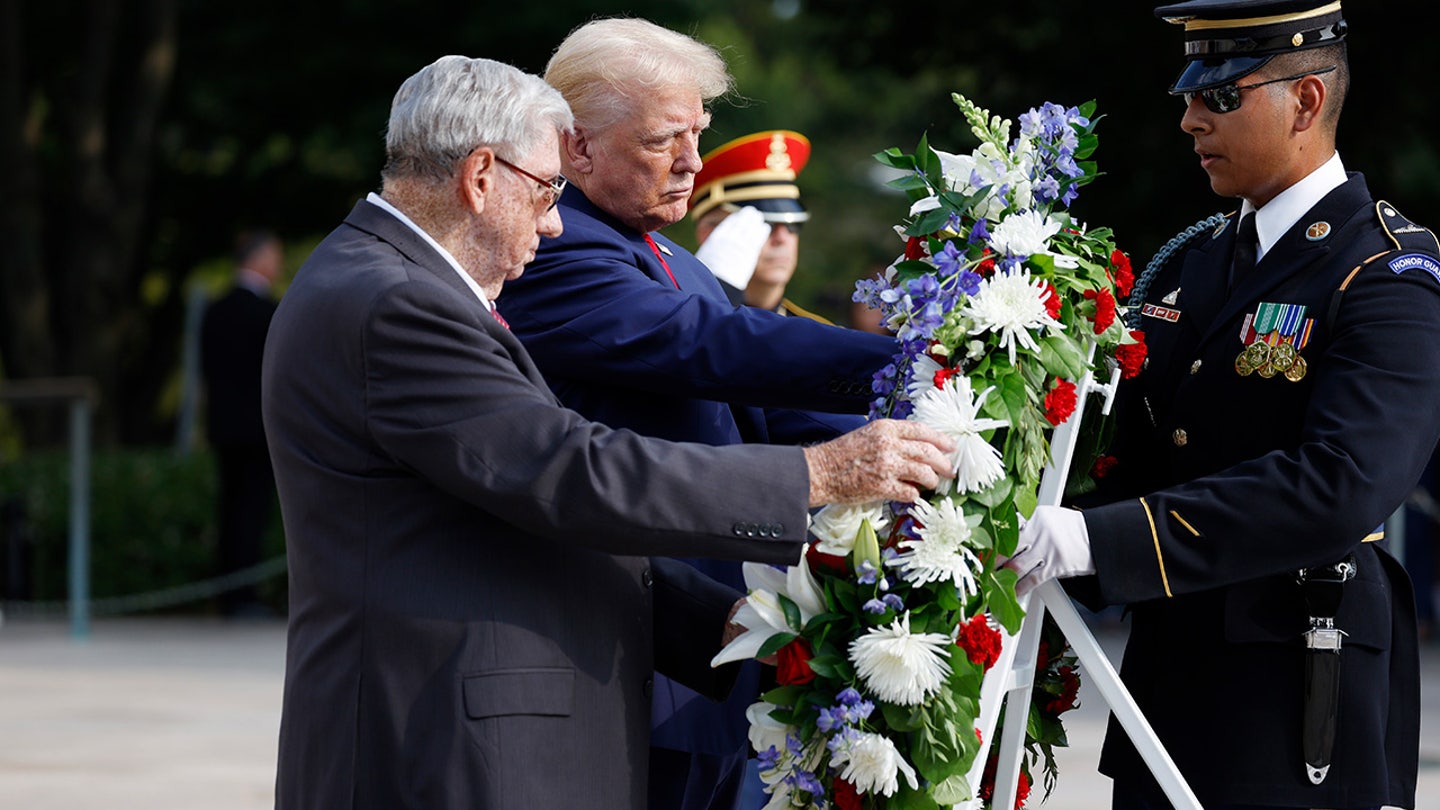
[1273, 429]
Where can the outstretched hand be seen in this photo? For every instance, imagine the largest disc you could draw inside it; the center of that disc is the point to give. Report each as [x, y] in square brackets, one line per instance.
[886, 460]
[1054, 544]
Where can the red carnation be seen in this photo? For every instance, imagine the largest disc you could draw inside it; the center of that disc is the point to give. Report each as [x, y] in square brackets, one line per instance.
[914, 248]
[1104, 308]
[980, 738]
[986, 265]
[987, 783]
[1103, 465]
[1131, 356]
[980, 641]
[793, 663]
[1069, 690]
[943, 376]
[845, 795]
[1052, 304]
[1042, 657]
[1124, 275]
[1060, 402]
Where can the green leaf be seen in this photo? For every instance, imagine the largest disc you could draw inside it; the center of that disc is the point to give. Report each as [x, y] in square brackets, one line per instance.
[907, 798]
[954, 790]
[829, 666]
[773, 644]
[896, 159]
[784, 695]
[793, 617]
[1000, 592]
[901, 718]
[995, 495]
[929, 222]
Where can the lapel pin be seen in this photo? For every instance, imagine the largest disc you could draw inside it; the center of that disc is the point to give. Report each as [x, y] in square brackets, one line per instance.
[1317, 231]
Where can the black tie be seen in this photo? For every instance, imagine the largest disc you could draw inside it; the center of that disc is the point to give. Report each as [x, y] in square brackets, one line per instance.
[1246, 244]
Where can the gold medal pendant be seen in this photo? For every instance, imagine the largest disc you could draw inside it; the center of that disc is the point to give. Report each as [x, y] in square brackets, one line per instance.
[1296, 371]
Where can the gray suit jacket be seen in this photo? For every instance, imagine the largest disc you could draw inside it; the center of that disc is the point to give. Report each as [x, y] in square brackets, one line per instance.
[469, 625]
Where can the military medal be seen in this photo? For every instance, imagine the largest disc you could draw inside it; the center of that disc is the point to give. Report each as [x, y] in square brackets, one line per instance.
[1273, 337]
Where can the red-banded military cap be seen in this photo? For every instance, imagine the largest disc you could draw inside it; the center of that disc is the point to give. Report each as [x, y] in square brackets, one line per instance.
[1228, 39]
[758, 171]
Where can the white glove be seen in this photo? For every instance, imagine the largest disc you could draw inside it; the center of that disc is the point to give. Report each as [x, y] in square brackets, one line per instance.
[733, 248]
[1054, 544]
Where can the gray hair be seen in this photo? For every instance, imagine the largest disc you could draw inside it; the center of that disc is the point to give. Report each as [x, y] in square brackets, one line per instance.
[455, 104]
[603, 66]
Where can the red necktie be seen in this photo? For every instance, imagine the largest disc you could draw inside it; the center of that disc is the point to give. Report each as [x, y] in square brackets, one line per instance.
[663, 263]
[494, 310]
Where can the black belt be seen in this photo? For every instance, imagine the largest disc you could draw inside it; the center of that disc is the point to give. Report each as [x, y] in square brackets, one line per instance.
[1322, 589]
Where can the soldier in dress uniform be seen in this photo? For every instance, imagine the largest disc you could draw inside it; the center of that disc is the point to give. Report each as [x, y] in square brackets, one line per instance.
[757, 171]
[1285, 410]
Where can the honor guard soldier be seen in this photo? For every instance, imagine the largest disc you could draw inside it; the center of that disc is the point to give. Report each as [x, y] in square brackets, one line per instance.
[1285, 411]
[755, 177]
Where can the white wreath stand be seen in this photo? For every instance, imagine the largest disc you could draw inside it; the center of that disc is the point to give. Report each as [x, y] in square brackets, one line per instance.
[1013, 676]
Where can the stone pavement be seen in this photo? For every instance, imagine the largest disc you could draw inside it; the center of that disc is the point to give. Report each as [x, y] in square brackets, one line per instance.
[181, 714]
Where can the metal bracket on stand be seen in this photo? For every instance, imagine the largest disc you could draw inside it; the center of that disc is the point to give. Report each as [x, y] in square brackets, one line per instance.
[1013, 676]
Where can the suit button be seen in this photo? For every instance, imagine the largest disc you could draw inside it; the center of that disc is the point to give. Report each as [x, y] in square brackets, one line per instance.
[738, 529]
[749, 529]
[646, 578]
[763, 530]
[1180, 437]
[648, 688]
[1195, 367]
[778, 530]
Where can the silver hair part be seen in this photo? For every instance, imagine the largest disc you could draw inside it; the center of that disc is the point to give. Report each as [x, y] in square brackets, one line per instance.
[456, 104]
[605, 66]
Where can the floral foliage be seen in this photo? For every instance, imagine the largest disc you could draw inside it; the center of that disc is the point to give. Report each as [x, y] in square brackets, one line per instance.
[1000, 302]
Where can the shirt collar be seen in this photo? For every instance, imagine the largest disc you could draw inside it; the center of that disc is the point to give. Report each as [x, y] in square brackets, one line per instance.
[380, 202]
[1273, 220]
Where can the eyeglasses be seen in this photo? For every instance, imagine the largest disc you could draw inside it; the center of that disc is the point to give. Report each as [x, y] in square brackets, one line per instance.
[550, 189]
[1226, 97]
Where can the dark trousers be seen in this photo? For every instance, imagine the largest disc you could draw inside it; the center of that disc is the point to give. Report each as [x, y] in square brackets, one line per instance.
[246, 500]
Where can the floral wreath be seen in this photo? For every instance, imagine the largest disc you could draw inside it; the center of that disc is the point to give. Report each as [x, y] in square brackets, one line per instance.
[883, 634]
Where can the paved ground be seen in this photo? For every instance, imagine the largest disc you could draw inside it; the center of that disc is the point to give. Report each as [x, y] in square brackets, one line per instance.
[180, 714]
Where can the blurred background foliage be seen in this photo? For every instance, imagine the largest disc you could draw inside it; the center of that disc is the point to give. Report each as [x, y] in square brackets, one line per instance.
[137, 137]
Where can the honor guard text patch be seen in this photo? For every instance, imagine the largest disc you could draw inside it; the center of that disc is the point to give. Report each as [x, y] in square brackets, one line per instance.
[1411, 261]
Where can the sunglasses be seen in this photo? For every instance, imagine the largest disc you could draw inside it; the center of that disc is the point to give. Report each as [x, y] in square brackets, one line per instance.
[550, 190]
[1226, 98]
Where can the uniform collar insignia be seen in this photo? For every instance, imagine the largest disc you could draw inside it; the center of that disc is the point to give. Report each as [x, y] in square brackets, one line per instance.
[664, 249]
[1317, 231]
[1172, 297]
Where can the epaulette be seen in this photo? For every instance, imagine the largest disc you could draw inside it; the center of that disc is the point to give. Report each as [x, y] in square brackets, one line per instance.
[1177, 244]
[1403, 233]
[1414, 247]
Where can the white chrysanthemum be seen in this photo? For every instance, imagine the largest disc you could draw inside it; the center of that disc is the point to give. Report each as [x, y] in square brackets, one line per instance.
[953, 410]
[762, 616]
[901, 667]
[942, 552]
[922, 376]
[873, 765]
[835, 526]
[1024, 234]
[1013, 307]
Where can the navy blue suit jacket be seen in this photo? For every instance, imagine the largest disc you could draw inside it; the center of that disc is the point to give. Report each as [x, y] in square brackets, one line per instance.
[620, 343]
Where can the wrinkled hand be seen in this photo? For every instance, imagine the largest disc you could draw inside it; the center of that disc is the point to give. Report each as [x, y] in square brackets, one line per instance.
[733, 248]
[1054, 544]
[886, 460]
[733, 631]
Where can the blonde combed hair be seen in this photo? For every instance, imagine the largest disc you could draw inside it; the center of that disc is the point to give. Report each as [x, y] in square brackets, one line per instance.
[605, 65]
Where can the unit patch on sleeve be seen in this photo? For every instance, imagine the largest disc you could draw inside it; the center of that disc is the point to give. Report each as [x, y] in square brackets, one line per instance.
[1411, 261]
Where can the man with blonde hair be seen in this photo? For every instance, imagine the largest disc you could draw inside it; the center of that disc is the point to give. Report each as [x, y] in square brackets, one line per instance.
[632, 330]
[473, 624]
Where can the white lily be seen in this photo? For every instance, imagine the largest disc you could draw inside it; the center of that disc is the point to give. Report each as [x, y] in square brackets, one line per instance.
[762, 616]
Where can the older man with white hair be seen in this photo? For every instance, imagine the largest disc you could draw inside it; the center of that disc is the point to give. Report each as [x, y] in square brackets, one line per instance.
[470, 625]
[632, 330]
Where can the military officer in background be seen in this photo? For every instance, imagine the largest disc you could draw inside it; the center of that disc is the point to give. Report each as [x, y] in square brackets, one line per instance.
[1286, 410]
[754, 177]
